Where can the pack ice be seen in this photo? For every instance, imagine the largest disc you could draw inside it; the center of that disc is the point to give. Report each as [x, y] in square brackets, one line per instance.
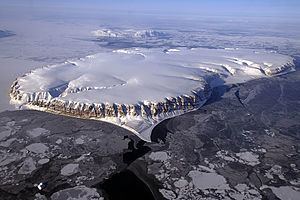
[138, 88]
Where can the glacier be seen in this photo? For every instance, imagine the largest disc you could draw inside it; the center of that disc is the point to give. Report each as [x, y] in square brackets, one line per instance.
[129, 33]
[136, 88]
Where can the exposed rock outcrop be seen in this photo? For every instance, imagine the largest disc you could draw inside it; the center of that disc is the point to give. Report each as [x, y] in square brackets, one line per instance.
[152, 110]
[280, 69]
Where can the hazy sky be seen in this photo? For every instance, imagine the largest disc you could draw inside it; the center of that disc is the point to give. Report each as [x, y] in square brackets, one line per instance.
[205, 7]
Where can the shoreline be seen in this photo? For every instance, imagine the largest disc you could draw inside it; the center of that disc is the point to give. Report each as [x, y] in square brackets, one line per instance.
[214, 140]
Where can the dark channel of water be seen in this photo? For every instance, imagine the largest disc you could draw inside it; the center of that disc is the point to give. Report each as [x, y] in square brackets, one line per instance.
[160, 132]
[135, 151]
[125, 186]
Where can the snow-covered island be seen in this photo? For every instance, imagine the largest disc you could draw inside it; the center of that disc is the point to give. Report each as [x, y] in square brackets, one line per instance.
[138, 88]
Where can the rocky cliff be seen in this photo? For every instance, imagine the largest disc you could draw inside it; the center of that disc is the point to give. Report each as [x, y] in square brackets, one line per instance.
[152, 110]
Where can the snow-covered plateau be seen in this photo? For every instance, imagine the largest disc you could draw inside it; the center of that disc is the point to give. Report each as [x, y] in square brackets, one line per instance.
[137, 88]
[129, 33]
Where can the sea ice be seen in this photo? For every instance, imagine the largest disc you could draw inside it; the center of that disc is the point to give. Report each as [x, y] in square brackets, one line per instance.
[79, 192]
[28, 166]
[248, 158]
[69, 169]
[37, 132]
[38, 148]
[43, 161]
[203, 180]
[285, 192]
[159, 156]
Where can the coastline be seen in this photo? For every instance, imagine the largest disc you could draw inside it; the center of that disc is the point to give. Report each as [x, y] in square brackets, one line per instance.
[141, 117]
[208, 142]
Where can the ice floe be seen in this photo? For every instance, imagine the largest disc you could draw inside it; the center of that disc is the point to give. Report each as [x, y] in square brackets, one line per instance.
[70, 169]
